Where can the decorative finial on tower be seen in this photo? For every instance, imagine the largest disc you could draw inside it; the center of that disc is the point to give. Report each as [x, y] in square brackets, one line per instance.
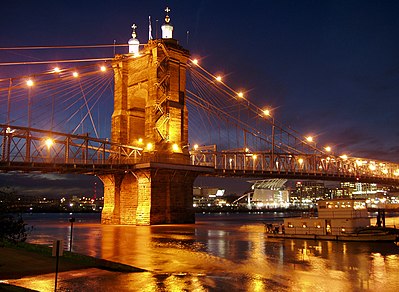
[134, 26]
[133, 42]
[167, 18]
[167, 28]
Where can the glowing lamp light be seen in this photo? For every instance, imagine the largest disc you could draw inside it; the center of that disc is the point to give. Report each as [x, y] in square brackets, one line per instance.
[56, 70]
[344, 157]
[195, 146]
[300, 160]
[219, 78]
[195, 61]
[372, 167]
[254, 157]
[140, 140]
[396, 172]
[309, 138]
[103, 69]
[246, 149]
[49, 142]
[266, 112]
[175, 147]
[327, 148]
[240, 94]
[29, 82]
[150, 146]
[385, 171]
[75, 74]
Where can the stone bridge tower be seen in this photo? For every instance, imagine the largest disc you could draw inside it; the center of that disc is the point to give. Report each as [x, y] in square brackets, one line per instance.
[150, 112]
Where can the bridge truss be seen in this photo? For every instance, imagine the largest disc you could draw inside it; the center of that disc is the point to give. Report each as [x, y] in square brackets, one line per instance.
[27, 149]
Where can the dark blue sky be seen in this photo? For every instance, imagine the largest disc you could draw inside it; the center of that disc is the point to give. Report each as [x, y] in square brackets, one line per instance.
[330, 68]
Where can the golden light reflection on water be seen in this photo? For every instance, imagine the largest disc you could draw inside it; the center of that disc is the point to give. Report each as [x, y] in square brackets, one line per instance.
[210, 255]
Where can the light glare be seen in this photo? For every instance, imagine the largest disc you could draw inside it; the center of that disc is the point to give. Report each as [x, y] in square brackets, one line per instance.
[149, 146]
[29, 82]
[49, 142]
[266, 112]
[175, 147]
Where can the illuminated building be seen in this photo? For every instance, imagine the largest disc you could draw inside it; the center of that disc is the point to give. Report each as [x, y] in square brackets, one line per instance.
[307, 193]
[204, 197]
[270, 193]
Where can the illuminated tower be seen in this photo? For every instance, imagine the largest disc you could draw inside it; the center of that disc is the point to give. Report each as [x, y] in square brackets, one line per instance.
[150, 112]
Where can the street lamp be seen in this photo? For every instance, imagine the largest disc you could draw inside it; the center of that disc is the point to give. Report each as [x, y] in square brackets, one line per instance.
[29, 83]
[267, 113]
[72, 219]
[49, 142]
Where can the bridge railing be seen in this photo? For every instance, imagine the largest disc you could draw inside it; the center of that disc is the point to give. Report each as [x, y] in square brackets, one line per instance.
[21, 145]
[27, 149]
[294, 164]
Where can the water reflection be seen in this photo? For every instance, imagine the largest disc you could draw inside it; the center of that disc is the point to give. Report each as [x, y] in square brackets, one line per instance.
[226, 251]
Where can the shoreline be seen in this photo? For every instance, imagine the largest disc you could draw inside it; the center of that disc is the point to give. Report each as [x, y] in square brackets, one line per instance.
[22, 260]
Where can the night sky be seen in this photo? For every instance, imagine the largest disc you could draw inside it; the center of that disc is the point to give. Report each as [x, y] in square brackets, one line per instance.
[328, 68]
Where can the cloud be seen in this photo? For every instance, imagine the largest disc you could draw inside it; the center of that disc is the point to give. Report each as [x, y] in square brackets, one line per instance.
[50, 184]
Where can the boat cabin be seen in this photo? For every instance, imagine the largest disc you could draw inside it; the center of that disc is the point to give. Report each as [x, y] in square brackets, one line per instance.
[335, 217]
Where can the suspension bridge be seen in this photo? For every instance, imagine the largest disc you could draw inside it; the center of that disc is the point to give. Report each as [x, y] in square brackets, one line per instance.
[147, 122]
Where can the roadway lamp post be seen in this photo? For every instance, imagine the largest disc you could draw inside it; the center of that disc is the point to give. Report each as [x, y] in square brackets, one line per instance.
[29, 83]
[273, 129]
[70, 239]
[9, 102]
[311, 141]
[268, 114]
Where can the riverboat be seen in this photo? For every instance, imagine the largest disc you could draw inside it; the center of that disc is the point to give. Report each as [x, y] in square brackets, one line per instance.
[338, 219]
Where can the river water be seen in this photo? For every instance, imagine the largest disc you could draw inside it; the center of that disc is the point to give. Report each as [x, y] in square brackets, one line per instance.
[221, 252]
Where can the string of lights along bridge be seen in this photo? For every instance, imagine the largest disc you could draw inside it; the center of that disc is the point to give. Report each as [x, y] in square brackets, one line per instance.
[151, 104]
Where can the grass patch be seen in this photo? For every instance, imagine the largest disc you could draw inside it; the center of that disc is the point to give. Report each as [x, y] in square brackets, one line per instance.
[10, 288]
[74, 259]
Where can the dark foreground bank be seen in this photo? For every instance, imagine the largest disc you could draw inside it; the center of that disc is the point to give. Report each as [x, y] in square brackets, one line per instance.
[24, 260]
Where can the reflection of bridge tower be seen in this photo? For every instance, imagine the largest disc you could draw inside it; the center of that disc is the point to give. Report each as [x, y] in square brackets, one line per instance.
[150, 112]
